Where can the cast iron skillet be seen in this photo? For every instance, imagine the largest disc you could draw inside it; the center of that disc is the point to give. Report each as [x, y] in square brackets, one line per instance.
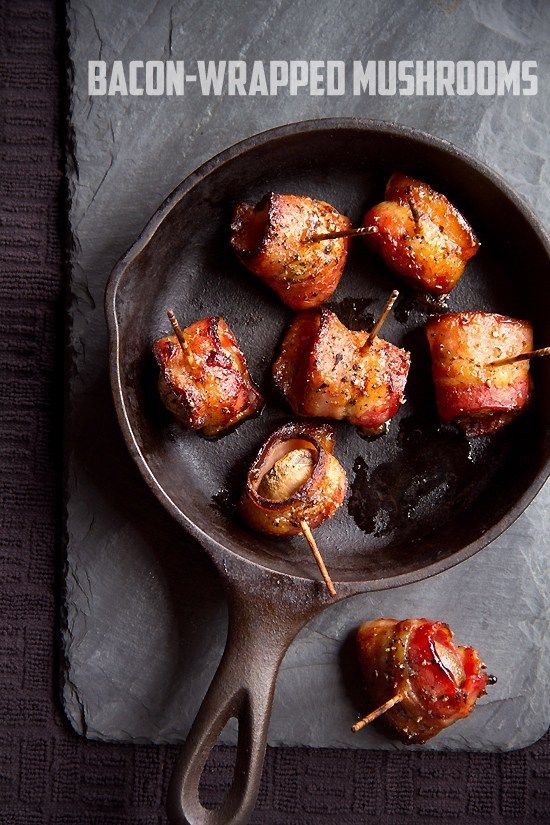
[421, 499]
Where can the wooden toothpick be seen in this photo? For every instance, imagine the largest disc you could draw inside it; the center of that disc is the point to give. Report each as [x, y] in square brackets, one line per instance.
[177, 330]
[366, 720]
[523, 356]
[308, 535]
[378, 325]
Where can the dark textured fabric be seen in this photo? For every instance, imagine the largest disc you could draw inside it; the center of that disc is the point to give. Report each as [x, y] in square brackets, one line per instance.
[47, 774]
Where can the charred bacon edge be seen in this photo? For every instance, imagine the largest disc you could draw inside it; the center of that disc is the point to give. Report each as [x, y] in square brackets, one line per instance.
[392, 193]
[268, 232]
[472, 313]
[247, 212]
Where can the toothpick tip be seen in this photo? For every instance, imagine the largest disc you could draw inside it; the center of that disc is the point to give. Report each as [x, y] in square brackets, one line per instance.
[177, 329]
[366, 720]
[308, 535]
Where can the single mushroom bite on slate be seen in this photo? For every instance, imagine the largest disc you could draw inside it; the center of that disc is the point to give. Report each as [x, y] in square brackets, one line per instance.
[274, 241]
[417, 678]
[326, 370]
[472, 390]
[420, 235]
[295, 484]
[204, 380]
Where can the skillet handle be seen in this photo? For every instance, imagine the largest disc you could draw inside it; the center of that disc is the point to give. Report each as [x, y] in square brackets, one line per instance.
[243, 686]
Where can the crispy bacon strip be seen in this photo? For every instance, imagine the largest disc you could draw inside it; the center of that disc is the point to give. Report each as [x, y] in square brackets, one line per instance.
[207, 387]
[479, 398]
[323, 373]
[270, 240]
[438, 681]
[316, 500]
[420, 235]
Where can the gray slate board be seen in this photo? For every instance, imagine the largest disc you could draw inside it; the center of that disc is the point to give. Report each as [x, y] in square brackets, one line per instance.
[145, 611]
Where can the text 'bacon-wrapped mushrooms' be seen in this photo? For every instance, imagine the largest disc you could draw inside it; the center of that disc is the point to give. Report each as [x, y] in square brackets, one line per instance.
[420, 235]
[204, 380]
[472, 387]
[326, 370]
[417, 677]
[273, 240]
[295, 484]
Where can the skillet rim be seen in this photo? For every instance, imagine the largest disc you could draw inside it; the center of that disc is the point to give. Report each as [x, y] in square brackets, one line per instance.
[216, 549]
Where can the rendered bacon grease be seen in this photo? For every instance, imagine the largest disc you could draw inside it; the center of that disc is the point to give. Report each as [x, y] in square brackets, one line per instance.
[204, 380]
[479, 397]
[326, 370]
[294, 478]
[435, 681]
[420, 235]
[271, 239]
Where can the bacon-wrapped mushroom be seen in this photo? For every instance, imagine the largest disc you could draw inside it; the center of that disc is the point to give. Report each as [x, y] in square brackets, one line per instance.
[420, 235]
[294, 478]
[272, 239]
[326, 370]
[471, 390]
[204, 380]
[295, 484]
[417, 677]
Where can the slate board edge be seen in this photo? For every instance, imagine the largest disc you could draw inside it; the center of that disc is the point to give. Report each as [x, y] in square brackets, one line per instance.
[76, 716]
[73, 705]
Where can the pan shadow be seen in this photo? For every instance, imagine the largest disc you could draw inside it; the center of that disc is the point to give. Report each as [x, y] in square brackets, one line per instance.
[352, 678]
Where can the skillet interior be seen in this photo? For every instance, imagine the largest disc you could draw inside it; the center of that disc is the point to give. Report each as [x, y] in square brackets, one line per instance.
[423, 492]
